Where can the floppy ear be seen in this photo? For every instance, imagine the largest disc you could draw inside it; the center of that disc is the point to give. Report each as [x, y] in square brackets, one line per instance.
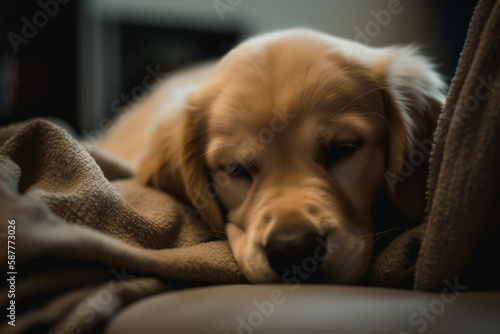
[175, 163]
[200, 188]
[161, 166]
[413, 98]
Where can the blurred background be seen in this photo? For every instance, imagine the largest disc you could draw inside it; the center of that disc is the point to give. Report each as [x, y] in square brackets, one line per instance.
[84, 61]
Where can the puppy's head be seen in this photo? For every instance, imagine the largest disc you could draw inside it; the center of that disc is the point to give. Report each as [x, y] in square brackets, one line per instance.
[292, 141]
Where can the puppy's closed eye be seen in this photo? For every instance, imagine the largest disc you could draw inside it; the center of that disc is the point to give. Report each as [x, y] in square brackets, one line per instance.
[235, 170]
[338, 152]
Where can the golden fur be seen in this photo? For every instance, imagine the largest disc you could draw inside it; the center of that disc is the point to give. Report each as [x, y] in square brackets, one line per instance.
[293, 134]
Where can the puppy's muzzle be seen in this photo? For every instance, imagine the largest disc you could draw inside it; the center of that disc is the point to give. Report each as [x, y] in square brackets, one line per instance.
[290, 244]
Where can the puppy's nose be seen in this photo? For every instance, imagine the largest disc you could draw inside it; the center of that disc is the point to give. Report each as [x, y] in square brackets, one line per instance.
[291, 245]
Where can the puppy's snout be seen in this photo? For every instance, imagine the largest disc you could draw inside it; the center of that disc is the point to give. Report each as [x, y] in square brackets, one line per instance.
[290, 244]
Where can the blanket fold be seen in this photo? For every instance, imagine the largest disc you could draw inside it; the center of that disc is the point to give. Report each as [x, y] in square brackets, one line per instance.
[460, 238]
[76, 233]
[464, 183]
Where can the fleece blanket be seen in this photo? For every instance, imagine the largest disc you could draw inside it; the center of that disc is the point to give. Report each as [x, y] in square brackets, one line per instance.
[462, 233]
[459, 242]
[86, 240]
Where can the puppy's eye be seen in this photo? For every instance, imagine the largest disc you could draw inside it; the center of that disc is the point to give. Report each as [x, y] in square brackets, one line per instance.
[340, 151]
[236, 170]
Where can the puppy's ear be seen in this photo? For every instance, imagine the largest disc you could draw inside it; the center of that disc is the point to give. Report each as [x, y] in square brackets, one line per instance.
[413, 97]
[161, 166]
[199, 186]
[175, 163]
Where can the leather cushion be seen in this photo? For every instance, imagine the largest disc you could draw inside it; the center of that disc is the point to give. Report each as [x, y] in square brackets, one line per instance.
[311, 309]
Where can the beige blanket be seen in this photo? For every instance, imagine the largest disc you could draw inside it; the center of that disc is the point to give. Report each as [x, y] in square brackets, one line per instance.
[462, 237]
[89, 240]
[85, 247]
[460, 241]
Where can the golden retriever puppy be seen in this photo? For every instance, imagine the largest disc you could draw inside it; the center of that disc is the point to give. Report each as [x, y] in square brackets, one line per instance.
[288, 144]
